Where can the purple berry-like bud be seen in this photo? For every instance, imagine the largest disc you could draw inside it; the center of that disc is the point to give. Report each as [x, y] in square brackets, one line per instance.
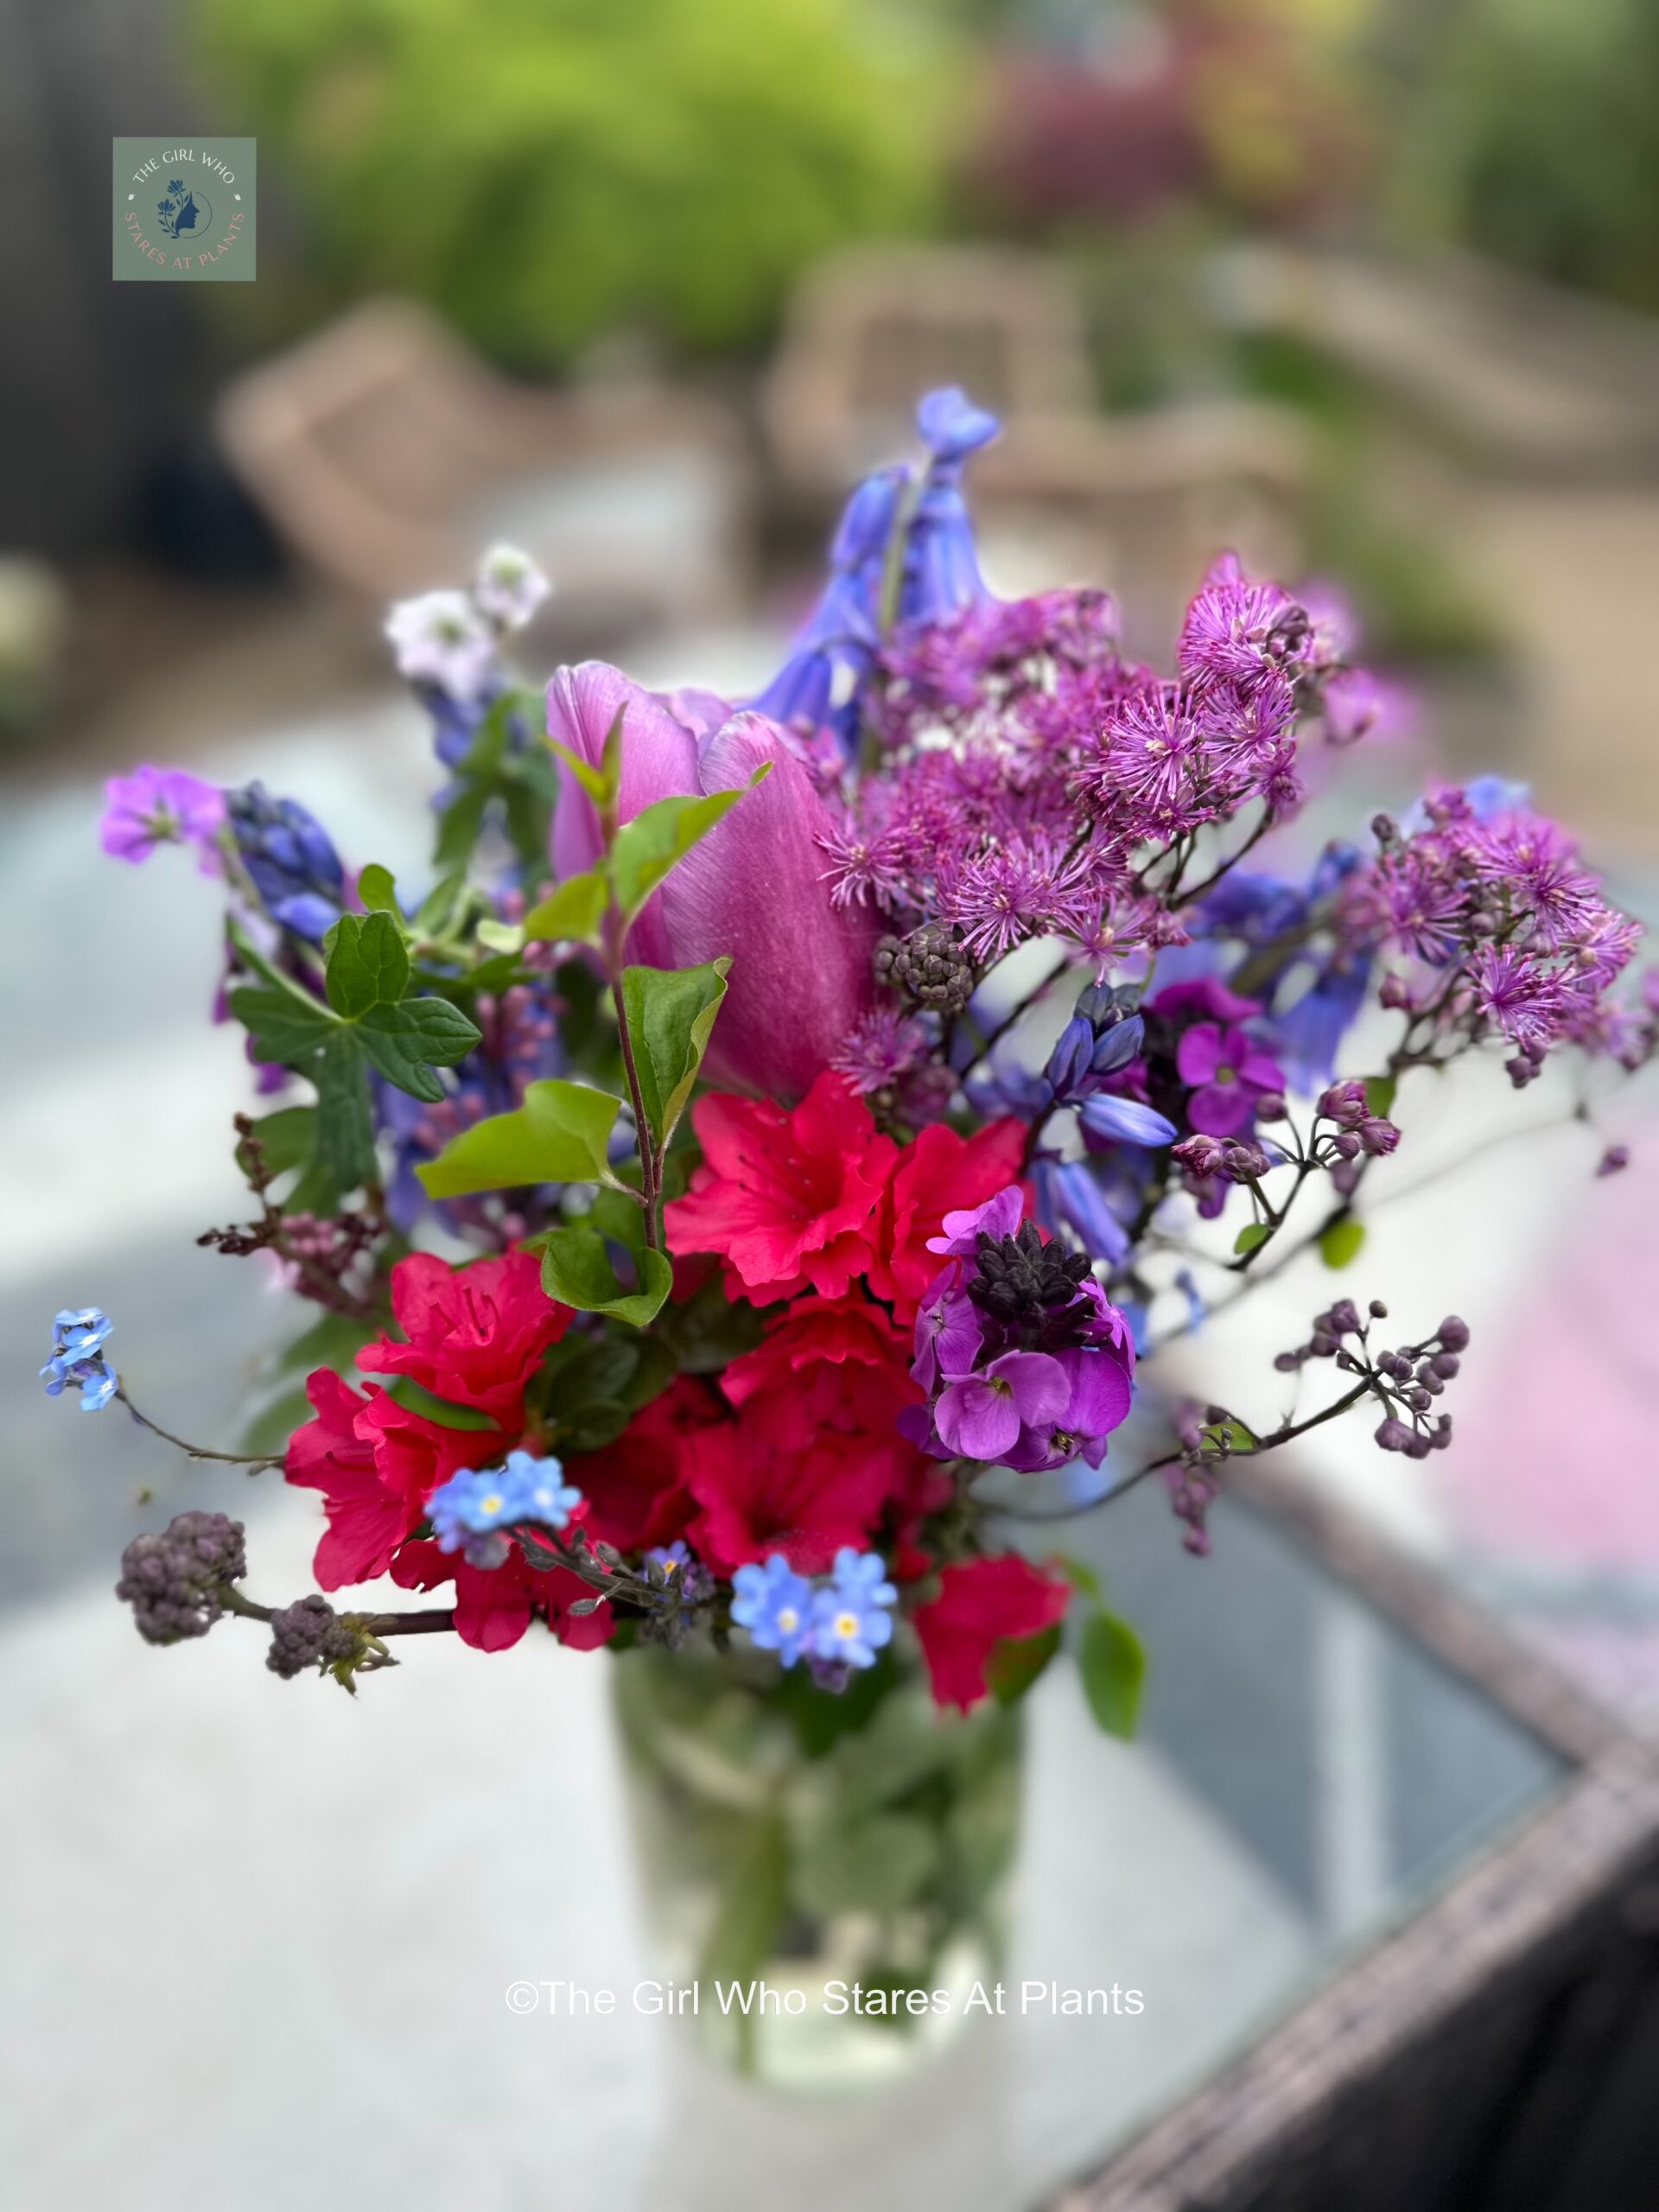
[1445, 1364]
[1454, 1333]
[1344, 1102]
[1393, 1435]
[1378, 1136]
[1377, 1310]
[1346, 1146]
[1271, 1107]
[1614, 1160]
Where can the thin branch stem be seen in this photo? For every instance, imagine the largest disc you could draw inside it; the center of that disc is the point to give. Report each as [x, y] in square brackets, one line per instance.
[254, 1459]
[426, 1620]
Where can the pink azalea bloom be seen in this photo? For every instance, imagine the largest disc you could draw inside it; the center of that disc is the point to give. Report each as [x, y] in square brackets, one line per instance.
[1228, 1071]
[983, 1416]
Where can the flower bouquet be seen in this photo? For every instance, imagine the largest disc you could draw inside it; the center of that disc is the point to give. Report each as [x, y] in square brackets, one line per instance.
[749, 1180]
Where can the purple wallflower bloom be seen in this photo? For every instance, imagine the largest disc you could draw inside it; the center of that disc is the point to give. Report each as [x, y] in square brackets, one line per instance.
[162, 806]
[1000, 1216]
[983, 1416]
[949, 1331]
[1228, 1071]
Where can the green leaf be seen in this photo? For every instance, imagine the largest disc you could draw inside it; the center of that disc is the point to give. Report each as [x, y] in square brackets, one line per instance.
[573, 913]
[501, 937]
[661, 835]
[1340, 1243]
[438, 908]
[1232, 1432]
[1379, 1094]
[559, 1134]
[603, 782]
[1253, 1234]
[285, 1027]
[1015, 1663]
[754, 1910]
[875, 1865]
[1081, 1576]
[577, 1269]
[406, 1042]
[368, 964]
[1112, 1662]
[377, 892]
[345, 1130]
[460, 824]
[671, 1012]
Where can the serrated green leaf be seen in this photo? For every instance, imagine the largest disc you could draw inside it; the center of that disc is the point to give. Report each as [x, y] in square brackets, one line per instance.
[576, 1270]
[345, 1130]
[573, 913]
[1340, 1243]
[560, 1135]
[1112, 1662]
[670, 1014]
[1015, 1663]
[1253, 1234]
[283, 1027]
[406, 1042]
[1380, 1091]
[377, 892]
[660, 835]
[368, 964]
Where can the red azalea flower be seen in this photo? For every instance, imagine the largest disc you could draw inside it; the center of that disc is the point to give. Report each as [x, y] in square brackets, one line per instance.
[940, 1174]
[841, 1330]
[784, 1195]
[983, 1603]
[376, 1464]
[495, 1605]
[636, 1488]
[476, 1333]
[806, 1500]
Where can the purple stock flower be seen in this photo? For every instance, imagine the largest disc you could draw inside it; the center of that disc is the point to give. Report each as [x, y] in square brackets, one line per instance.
[949, 1332]
[1229, 1072]
[162, 806]
[1000, 1216]
[984, 1416]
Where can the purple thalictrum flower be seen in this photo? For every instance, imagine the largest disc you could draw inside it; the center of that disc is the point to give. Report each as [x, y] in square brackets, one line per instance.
[983, 1416]
[162, 806]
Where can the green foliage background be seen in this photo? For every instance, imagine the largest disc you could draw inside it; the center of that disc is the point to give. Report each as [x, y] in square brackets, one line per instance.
[543, 171]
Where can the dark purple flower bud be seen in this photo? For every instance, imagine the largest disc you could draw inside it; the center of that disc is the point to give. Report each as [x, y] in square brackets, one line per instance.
[1392, 993]
[1271, 1107]
[1445, 1364]
[1614, 1160]
[1347, 1146]
[1200, 1155]
[1454, 1333]
[1417, 1447]
[1243, 1161]
[1378, 1136]
[1393, 1435]
[1344, 1318]
[1377, 1310]
[1344, 1102]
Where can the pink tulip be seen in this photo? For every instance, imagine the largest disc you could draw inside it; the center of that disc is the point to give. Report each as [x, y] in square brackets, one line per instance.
[801, 972]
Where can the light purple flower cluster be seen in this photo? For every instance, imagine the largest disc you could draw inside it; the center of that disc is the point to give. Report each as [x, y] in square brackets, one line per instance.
[1496, 928]
[1025, 1362]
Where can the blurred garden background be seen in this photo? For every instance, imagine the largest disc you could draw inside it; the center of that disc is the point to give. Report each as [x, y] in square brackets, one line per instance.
[1368, 290]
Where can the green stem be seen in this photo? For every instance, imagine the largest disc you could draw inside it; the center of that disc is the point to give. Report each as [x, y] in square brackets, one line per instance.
[253, 1460]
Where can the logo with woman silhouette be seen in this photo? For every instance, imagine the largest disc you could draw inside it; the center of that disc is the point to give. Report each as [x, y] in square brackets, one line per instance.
[183, 210]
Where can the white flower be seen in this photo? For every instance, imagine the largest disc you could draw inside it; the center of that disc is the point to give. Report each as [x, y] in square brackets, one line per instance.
[442, 639]
[509, 586]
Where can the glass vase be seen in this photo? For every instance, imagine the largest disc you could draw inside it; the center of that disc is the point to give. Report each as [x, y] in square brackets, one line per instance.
[825, 1876]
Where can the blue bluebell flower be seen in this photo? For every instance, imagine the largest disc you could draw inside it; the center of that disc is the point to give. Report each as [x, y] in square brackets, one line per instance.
[1125, 1120]
[291, 860]
[80, 1334]
[775, 1604]
[1068, 1195]
[852, 1616]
